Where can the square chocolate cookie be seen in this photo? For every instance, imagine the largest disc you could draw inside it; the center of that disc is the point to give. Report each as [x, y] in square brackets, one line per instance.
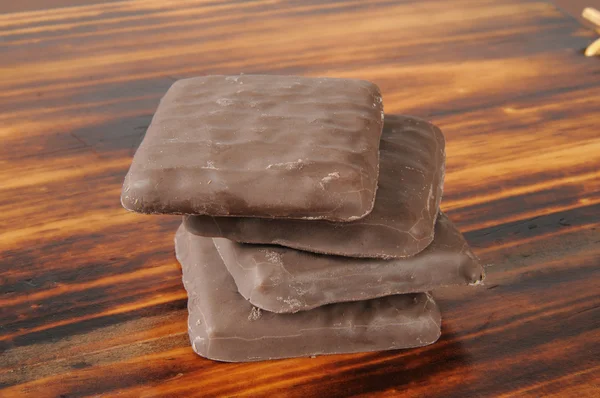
[409, 192]
[260, 146]
[281, 279]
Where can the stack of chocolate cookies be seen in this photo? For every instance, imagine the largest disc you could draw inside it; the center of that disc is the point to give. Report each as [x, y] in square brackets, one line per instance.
[311, 221]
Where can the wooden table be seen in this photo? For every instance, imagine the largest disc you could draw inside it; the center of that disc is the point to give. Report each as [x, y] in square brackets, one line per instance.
[91, 296]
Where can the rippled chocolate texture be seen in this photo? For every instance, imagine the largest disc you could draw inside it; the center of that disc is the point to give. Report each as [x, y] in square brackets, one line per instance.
[284, 280]
[401, 224]
[223, 326]
[260, 146]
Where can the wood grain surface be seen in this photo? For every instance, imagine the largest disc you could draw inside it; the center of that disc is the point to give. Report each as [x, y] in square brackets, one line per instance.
[91, 297]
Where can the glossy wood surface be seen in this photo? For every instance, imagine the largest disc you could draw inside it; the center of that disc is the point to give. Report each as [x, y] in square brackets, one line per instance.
[91, 297]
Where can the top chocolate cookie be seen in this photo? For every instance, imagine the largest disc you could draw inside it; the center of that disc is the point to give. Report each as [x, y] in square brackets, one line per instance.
[260, 146]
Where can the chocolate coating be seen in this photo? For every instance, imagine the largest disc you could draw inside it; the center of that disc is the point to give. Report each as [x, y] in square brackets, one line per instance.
[280, 279]
[402, 222]
[224, 326]
[260, 146]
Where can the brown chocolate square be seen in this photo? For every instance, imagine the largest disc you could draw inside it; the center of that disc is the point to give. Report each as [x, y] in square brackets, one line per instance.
[260, 146]
[409, 192]
[281, 279]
